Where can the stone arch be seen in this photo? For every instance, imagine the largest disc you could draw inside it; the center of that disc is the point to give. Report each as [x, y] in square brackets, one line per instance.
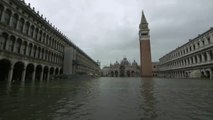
[112, 74]
[14, 21]
[205, 56]
[34, 51]
[61, 71]
[42, 54]
[21, 24]
[30, 69]
[24, 48]
[39, 53]
[133, 73]
[31, 31]
[5, 66]
[116, 73]
[17, 71]
[40, 35]
[18, 46]
[30, 49]
[1, 10]
[3, 41]
[26, 28]
[36, 33]
[47, 39]
[51, 71]
[128, 73]
[44, 37]
[56, 71]
[38, 73]
[11, 43]
[45, 73]
[7, 16]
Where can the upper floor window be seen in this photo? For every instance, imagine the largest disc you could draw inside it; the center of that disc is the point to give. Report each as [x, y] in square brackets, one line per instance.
[7, 17]
[21, 24]
[26, 28]
[1, 10]
[14, 21]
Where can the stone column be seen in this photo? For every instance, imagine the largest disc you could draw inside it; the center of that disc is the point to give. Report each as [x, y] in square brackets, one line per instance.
[198, 59]
[208, 56]
[48, 74]
[10, 75]
[23, 74]
[194, 62]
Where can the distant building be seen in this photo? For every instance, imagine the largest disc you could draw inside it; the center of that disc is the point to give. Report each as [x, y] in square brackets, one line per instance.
[194, 59]
[122, 69]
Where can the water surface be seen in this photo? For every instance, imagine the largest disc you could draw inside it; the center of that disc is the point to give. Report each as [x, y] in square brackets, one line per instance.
[108, 99]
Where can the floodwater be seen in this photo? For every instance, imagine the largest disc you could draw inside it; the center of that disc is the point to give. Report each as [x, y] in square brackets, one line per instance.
[108, 99]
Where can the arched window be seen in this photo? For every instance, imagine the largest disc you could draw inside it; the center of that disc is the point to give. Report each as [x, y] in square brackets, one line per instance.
[18, 46]
[21, 24]
[30, 49]
[7, 17]
[31, 30]
[26, 28]
[40, 35]
[3, 41]
[14, 21]
[36, 34]
[11, 43]
[35, 51]
[1, 10]
[39, 52]
[24, 48]
[44, 37]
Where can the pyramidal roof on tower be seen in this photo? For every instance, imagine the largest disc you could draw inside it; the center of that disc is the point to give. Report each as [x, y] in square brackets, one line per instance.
[143, 19]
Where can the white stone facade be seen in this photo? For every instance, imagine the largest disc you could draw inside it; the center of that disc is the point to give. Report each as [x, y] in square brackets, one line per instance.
[191, 60]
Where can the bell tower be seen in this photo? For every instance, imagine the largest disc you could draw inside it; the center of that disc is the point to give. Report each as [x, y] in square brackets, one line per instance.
[145, 49]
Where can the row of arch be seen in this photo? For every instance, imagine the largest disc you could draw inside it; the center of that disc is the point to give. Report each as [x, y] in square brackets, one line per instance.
[200, 73]
[197, 58]
[14, 20]
[20, 71]
[190, 47]
[19, 46]
[120, 74]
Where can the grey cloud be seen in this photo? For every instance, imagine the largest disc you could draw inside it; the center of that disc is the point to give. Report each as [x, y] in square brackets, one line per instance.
[108, 29]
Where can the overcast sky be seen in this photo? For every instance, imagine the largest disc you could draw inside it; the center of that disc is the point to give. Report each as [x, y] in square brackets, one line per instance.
[107, 30]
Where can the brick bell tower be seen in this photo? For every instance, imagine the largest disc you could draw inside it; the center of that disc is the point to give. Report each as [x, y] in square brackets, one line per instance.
[145, 50]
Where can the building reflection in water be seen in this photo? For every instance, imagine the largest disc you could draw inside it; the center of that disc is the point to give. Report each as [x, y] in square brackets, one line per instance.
[148, 103]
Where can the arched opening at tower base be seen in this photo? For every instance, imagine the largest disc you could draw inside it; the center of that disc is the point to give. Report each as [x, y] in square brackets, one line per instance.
[4, 69]
[17, 71]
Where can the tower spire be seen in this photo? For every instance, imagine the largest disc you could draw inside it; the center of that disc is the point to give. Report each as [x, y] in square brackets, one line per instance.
[143, 18]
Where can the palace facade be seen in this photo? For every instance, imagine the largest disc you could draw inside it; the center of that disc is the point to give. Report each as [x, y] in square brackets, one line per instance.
[194, 59]
[31, 48]
[122, 69]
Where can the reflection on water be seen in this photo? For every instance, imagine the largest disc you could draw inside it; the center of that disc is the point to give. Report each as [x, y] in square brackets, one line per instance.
[108, 99]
